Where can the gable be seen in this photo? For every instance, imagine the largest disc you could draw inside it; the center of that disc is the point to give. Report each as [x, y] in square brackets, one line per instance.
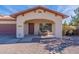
[39, 9]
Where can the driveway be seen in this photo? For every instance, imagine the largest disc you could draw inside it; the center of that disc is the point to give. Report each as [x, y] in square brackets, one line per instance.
[7, 39]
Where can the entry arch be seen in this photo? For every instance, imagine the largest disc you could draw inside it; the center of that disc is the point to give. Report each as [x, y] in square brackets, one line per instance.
[36, 23]
[27, 17]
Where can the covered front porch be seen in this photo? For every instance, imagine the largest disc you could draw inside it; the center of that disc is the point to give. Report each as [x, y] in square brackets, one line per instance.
[37, 22]
[39, 27]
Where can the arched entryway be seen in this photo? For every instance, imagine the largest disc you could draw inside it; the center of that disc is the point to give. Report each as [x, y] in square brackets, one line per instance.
[37, 26]
[30, 23]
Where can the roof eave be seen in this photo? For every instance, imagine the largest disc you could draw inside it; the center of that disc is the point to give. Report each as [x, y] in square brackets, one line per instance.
[40, 7]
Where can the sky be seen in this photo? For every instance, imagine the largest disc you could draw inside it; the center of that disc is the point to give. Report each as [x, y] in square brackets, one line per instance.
[65, 9]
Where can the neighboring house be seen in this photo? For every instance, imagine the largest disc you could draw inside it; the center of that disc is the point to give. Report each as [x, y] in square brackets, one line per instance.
[32, 22]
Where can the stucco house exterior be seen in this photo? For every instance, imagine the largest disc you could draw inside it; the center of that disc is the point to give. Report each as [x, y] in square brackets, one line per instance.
[32, 22]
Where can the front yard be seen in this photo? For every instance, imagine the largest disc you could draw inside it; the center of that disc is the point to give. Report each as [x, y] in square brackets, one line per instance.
[12, 47]
[32, 48]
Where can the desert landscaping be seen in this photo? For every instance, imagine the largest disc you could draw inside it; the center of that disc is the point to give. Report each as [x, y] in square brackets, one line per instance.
[32, 48]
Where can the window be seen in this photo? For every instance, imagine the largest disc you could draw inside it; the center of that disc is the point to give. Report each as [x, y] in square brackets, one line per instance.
[49, 27]
[46, 27]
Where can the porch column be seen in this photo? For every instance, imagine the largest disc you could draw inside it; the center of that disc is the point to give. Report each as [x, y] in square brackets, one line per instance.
[58, 29]
[53, 29]
[26, 29]
[36, 28]
[20, 30]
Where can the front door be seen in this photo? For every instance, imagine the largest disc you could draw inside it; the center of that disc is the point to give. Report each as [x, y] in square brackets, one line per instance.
[31, 28]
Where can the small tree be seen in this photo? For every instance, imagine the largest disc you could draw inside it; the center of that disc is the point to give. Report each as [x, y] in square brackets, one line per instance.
[65, 25]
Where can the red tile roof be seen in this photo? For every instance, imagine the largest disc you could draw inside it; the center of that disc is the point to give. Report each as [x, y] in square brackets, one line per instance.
[6, 18]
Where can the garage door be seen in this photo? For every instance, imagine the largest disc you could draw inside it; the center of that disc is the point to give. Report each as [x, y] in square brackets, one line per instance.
[8, 29]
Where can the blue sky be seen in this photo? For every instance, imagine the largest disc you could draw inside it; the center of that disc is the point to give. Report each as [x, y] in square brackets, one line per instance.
[66, 9]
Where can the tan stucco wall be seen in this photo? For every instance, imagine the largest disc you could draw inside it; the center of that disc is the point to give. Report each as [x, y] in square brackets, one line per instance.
[21, 19]
[26, 29]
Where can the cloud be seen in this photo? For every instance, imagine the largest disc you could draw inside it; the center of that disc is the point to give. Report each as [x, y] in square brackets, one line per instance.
[69, 10]
[61, 7]
[67, 20]
[10, 9]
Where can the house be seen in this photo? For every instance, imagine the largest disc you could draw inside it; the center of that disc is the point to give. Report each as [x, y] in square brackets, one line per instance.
[32, 22]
